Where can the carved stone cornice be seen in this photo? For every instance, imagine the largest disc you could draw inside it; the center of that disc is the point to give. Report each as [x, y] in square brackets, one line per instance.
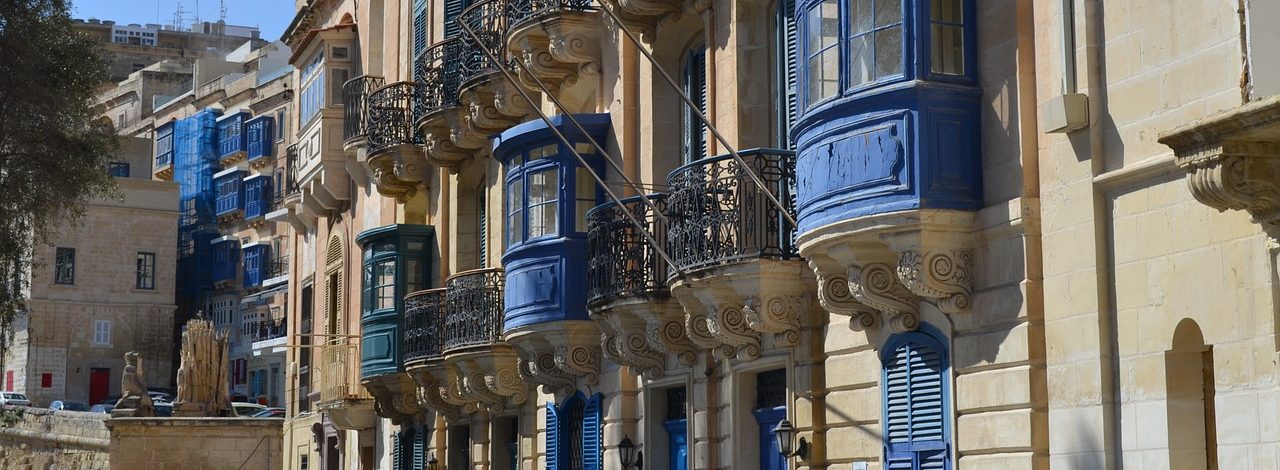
[1231, 160]
[876, 285]
[944, 275]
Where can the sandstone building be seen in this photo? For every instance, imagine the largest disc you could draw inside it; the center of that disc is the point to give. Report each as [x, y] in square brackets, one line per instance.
[791, 234]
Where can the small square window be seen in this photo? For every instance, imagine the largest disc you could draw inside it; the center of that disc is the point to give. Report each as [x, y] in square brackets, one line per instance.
[339, 52]
[65, 266]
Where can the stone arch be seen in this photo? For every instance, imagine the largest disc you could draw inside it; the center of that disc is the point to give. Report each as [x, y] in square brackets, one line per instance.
[334, 276]
[1189, 401]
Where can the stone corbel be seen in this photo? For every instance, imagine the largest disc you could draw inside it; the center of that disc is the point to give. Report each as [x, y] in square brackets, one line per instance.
[945, 276]
[508, 101]
[506, 380]
[575, 39]
[429, 394]
[533, 50]
[579, 360]
[876, 285]
[778, 314]
[542, 370]
[1236, 175]
[395, 397]
[484, 115]
[461, 132]
[836, 296]
[624, 340]
[666, 331]
[441, 150]
[454, 392]
[729, 325]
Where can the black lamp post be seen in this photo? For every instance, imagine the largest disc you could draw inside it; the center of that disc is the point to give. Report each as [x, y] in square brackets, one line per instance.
[629, 455]
[431, 461]
[785, 435]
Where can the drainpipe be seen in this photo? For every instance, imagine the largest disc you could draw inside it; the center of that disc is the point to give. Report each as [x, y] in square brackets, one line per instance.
[1109, 358]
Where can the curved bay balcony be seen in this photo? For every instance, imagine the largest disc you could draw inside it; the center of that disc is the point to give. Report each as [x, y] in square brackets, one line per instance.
[442, 120]
[627, 292]
[395, 153]
[491, 103]
[355, 119]
[558, 41]
[737, 273]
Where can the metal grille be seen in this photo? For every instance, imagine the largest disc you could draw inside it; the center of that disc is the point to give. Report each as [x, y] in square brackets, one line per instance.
[718, 214]
[391, 116]
[474, 302]
[438, 69]
[355, 95]
[424, 314]
[522, 10]
[621, 260]
[676, 403]
[771, 389]
[489, 21]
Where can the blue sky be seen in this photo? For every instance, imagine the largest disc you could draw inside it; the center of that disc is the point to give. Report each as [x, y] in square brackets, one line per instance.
[271, 16]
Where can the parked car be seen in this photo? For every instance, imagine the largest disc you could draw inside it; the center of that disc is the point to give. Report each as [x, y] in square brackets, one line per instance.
[68, 405]
[269, 413]
[14, 398]
[102, 408]
[160, 397]
[242, 408]
[164, 409]
[110, 400]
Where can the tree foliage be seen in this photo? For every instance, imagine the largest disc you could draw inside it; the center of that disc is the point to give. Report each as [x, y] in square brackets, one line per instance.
[53, 147]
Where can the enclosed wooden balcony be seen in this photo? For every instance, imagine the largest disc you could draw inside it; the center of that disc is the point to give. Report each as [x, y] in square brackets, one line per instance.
[395, 158]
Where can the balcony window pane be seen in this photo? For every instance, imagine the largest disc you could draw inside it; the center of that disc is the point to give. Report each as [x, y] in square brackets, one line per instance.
[889, 52]
[860, 61]
[946, 11]
[384, 273]
[888, 13]
[822, 23]
[543, 152]
[543, 186]
[946, 37]
[515, 212]
[413, 275]
[860, 15]
[585, 194]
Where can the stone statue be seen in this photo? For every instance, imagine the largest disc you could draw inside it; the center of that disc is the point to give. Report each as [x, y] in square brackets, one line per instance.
[202, 376]
[134, 400]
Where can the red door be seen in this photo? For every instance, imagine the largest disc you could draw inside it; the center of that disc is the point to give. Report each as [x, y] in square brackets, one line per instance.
[99, 384]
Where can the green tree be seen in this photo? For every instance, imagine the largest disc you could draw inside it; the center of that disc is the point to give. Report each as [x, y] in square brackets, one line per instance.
[54, 149]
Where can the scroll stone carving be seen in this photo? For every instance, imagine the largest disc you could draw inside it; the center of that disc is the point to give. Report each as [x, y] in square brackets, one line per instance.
[876, 285]
[729, 325]
[542, 370]
[835, 295]
[942, 275]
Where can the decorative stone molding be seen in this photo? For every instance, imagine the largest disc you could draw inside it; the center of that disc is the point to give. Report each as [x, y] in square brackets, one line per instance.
[624, 340]
[395, 397]
[729, 325]
[876, 285]
[439, 146]
[508, 100]
[835, 296]
[560, 356]
[743, 309]
[942, 275]
[430, 392]
[542, 370]
[777, 314]
[1231, 160]
[398, 171]
[461, 132]
[483, 114]
[580, 361]
[558, 47]
[667, 333]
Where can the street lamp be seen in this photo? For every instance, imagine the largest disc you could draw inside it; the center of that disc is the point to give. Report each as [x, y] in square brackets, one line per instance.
[431, 461]
[785, 434]
[629, 455]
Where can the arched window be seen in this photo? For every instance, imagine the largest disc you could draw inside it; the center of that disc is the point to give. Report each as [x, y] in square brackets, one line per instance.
[916, 412]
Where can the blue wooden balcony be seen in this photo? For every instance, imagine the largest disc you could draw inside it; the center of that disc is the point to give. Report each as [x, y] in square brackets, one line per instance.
[164, 151]
[548, 195]
[229, 202]
[260, 138]
[226, 260]
[256, 259]
[233, 141]
[257, 196]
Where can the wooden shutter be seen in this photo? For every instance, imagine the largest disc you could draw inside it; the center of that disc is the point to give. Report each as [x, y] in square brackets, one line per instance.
[915, 408]
[452, 10]
[419, 27]
[591, 435]
[695, 85]
[396, 462]
[553, 437]
[787, 99]
[419, 449]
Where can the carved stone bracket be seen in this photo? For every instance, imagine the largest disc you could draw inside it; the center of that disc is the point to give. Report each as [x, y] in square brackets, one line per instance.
[559, 356]
[398, 171]
[648, 16]
[395, 397]
[624, 340]
[941, 275]
[665, 330]
[835, 296]
[777, 314]
[483, 114]
[876, 285]
[558, 48]
[542, 370]
[439, 146]
[429, 393]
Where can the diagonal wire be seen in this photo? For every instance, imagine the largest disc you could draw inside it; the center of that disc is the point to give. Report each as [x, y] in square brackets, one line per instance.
[760, 184]
[569, 145]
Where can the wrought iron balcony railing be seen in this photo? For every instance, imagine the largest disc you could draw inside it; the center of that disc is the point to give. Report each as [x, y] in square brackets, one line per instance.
[717, 214]
[521, 10]
[355, 95]
[277, 267]
[621, 260]
[265, 330]
[439, 70]
[424, 317]
[474, 303]
[489, 21]
[391, 116]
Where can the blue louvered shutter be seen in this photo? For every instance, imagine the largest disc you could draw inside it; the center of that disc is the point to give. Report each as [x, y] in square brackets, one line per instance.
[787, 75]
[419, 27]
[396, 463]
[419, 449]
[915, 409]
[553, 437]
[695, 85]
[452, 10]
[591, 434]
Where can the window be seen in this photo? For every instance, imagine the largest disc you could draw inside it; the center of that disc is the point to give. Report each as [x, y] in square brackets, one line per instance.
[380, 283]
[339, 53]
[515, 211]
[915, 397]
[65, 266]
[312, 97]
[875, 42]
[118, 169]
[784, 61]
[694, 130]
[102, 333]
[585, 197]
[543, 186]
[822, 54]
[573, 434]
[280, 127]
[339, 79]
[946, 34]
[146, 278]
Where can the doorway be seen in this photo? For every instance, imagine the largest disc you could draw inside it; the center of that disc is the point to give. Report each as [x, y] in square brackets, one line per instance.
[99, 384]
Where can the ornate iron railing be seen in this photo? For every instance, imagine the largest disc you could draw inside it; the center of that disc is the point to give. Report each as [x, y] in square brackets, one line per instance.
[278, 266]
[439, 70]
[522, 10]
[265, 330]
[424, 316]
[621, 260]
[489, 21]
[355, 95]
[391, 116]
[474, 302]
[717, 213]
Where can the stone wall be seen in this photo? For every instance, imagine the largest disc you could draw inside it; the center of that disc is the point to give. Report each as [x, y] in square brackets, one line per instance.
[33, 438]
[195, 443]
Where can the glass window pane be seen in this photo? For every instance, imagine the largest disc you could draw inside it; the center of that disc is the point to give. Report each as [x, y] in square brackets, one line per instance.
[585, 148]
[413, 274]
[580, 222]
[888, 12]
[386, 297]
[830, 23]
[888, 52]
[584, 184]
[515, 206]
[948, 50]
[860, 61]
[860, 16]
[386, 272]
[542, 186]
[946, 11]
